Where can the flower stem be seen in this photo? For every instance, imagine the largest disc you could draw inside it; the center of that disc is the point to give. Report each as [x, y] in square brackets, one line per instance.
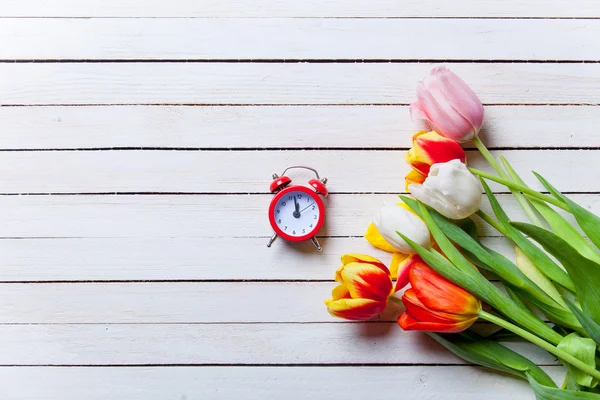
[489, 157]
[396, 300]
[520, 188]
[525, 205]
[541, 343]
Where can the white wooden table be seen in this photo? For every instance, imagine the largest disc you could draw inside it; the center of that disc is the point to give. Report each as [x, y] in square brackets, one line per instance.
[138, 138]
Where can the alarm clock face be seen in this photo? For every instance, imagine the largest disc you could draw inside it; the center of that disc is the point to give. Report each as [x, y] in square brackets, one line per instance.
[297, 213]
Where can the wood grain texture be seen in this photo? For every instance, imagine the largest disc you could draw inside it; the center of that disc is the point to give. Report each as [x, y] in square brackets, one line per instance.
[127, 259]
[167, 290]
[227, 344]
[227, 171]
[143, 303]
[308, 8]
[278, 127]
[192, 217]
[254, 383]
[292, 39]
[286, 83]
[211, 302]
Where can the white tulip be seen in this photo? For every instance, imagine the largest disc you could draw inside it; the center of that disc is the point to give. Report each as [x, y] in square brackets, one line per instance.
[450, 189]
[392, 219]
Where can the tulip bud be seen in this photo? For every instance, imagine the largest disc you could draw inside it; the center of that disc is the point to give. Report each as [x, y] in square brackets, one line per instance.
[435, 304]
[364, 288]
[447, 105]
[450, 189]
[430, 148]
[399, 218]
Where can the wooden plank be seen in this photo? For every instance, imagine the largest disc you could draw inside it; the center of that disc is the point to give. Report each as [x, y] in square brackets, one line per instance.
[300, 38]
[216, 302]
[171, 303]
[289, 83]
[308, 8]
[227, 344]
[197, 217]
[277, 127]
[192, 217]
[257, 383]
[226, 171]
[109, 259]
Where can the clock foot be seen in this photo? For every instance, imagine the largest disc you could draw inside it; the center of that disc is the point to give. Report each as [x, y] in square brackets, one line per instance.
[272, 240]
[316, 243]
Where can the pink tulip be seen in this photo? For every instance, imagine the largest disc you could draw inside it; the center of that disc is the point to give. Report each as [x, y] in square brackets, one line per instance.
[447, 105]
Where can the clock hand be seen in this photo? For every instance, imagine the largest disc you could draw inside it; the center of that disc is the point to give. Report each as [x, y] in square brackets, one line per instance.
[307, 207]
[296, 213]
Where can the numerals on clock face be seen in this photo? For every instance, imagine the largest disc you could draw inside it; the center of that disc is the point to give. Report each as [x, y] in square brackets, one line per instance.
[297, 214]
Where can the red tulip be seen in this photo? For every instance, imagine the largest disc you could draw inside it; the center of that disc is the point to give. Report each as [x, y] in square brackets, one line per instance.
[447, 105]
[365, 286]
[430, 148]
[435, 304]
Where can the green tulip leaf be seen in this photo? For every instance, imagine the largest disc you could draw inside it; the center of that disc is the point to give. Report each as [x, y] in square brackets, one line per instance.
[484, 257]
[555, 314]
[584, 272]
[525, 264]
[490, 354]
[457, 269]
[561, 227]
[542, 261]
[585, 350]
[588, 221]
[589, 325]
[571, 384]
[545, 392]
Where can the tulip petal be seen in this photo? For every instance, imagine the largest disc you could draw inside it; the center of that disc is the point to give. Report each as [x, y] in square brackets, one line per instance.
[340, 292]
[417, 310]
[355, 309]
[367, 281]
[431, 148]
[362, 258]
[408, 323]
[391, 219]
[404, 269]
[413, 177]
[434, 200]
[462, 97]
[443, 119]
[419, 116]
[437, 149]
[374, 237]
[439, 294]
[397, 260]
[358, 258]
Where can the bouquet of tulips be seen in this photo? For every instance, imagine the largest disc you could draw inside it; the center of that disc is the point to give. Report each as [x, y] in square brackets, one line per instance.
[549, 294]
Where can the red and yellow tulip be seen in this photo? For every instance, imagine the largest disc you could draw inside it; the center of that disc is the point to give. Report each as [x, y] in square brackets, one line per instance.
[433, 303]
[430, 148]
[364, 287]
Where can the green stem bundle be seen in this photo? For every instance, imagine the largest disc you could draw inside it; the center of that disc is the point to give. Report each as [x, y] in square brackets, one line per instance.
[541, 343]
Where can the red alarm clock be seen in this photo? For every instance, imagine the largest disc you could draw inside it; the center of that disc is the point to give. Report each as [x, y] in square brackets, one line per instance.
[297, 212]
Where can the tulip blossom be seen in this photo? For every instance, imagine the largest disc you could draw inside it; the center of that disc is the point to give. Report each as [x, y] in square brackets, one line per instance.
[451, 189]
[430, 148]
[435, 304]
[399, 218]
[447, 105]
[364, 288]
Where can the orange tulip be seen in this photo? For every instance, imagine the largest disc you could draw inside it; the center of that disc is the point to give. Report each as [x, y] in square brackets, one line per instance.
[364, 289]
[435, 304]
[430, 148]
